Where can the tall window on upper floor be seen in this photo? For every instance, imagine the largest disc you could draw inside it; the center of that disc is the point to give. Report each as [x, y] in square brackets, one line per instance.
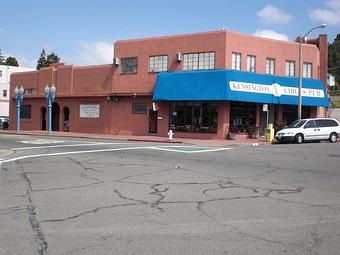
[236, 61]
[129, 65]
[270, 66]
[4, 93]
[290, 68]
[158, 64]
[199, 61]
[307, 70]
[251, 63]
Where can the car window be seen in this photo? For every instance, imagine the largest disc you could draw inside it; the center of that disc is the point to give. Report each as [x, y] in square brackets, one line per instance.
[310, 124]
[333, 123]
[297, 124]
[326, 123]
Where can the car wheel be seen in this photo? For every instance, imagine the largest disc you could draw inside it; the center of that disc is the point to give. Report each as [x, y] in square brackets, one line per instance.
[333, 137]
[299, 138]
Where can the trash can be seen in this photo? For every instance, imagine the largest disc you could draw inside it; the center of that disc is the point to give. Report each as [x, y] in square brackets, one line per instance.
[269, 133]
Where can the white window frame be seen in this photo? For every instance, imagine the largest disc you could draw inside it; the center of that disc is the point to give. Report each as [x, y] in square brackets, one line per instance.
[199, 61]
[270, 66]
[236, 61]
[290, 68]
[158, 64]
[307, 70]
[251, 63]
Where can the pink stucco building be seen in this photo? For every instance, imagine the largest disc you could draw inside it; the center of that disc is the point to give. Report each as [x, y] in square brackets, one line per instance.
[129, 96]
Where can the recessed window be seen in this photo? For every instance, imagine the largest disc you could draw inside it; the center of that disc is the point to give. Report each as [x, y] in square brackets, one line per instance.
[200, 117]
[251, 63]
[236, 61]
[4, 93]
[139, 107]
[25, 112]
[270, 66]
[290, 68]
[199, 61]
[129, 65]
[29, 91]
[307, 70]
[158, 64]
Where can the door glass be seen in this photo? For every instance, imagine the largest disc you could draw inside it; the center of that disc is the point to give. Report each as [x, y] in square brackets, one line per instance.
[310, 124]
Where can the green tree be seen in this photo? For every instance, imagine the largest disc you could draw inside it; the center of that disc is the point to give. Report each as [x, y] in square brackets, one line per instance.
[11, 61]
[45, 60]
[52, 58]
[334, 58]
[42, 61]
[2, 59]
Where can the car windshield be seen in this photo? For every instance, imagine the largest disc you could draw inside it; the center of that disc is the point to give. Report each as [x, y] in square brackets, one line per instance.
[297, 124]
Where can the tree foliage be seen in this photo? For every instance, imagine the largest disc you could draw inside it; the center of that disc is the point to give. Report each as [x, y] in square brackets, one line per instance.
[2, 59]
[334, 58]
[11, 61]
[45, 60]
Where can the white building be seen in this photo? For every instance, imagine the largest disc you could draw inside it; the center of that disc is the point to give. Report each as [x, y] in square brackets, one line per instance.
[5, 74]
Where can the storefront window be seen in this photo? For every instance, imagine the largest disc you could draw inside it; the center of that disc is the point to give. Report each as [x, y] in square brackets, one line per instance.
[290, 113]
[242, 116]
[200, 117]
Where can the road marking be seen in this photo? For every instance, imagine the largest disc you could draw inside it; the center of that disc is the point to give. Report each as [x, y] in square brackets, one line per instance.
[200, 149]
[109, 150]
[65, 145]
[40, 141]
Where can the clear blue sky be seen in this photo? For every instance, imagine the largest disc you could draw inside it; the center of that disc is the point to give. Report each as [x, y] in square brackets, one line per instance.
[82, 32]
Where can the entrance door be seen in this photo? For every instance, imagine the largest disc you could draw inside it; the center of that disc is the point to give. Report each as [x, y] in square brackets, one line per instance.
[55, 117]
[153, 121]
[66, 124]
[43, 112]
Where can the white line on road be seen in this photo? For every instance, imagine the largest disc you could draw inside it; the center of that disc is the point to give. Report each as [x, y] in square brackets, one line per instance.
[65, 145]
[106, 150]
[195, 151]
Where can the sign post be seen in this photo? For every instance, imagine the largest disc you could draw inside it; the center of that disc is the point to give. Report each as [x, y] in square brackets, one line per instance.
[265, 109]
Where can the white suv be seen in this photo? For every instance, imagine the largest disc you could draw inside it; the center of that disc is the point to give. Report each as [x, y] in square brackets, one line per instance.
[310, 129]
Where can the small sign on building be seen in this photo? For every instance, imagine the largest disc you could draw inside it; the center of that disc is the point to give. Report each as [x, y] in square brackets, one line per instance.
[265, 107]
[89, 110]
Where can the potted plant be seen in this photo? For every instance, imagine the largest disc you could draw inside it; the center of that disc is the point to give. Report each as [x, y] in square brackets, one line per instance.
[254, 132]
[232, 132]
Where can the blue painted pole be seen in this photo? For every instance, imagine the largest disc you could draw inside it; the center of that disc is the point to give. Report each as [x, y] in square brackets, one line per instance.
[18, 114]
[49, 115]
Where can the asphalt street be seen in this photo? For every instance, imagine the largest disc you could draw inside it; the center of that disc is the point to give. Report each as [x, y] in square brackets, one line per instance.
[87, 196]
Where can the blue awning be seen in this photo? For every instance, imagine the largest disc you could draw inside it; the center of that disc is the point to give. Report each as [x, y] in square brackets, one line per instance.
[232, 85]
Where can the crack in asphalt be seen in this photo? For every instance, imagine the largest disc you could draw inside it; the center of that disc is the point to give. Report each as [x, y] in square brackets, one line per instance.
[158, 192]
[32, 215]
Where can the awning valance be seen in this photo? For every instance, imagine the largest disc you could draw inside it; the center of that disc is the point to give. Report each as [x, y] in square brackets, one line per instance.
[232, 85]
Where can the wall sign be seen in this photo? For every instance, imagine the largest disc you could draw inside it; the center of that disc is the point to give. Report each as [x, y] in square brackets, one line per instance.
[274, 89]
[89, 110]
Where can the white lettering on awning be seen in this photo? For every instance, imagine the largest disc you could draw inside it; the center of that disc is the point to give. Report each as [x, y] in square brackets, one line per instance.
[274, 89]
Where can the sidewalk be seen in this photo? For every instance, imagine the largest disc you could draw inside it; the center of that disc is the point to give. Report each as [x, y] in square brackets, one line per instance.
[158, 139]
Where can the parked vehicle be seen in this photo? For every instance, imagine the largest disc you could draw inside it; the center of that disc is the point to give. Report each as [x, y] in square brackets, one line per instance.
[3, 123]
[310, 130]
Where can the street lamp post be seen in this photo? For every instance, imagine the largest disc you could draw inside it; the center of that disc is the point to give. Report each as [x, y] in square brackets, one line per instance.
[19, 95]
[301, 39]
[50, 95]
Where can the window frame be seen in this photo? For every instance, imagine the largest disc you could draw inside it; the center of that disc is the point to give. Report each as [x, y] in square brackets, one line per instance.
[194, 61]
[270, 62]
[253, 62]
[133, 110]
[122, 71]
[306, 70]
[161, 64]
[288, 72]
[235, 61]
[26, 111]
[4, 93]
